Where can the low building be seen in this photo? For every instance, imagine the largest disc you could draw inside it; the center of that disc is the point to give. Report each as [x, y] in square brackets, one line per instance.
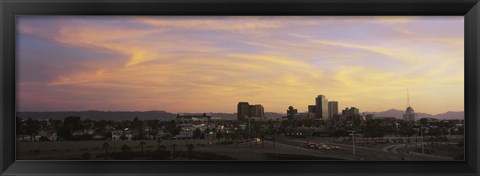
[291, 112]
[193, 117]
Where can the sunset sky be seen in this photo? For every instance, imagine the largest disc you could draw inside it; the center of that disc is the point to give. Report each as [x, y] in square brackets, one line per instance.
[209, 64]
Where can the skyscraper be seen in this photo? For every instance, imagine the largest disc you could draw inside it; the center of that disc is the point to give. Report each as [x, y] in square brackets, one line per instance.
[243, 110]
[256, 111]
[332, 108]
[409, 112]
[321, 107]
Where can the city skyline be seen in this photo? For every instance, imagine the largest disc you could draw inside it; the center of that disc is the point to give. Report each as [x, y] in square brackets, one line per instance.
[209, 64]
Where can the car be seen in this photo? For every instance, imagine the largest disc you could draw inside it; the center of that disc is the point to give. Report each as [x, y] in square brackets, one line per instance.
[337, 147]
[312, 145]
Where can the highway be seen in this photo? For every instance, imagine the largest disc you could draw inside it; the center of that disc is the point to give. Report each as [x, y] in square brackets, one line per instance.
[387, 153]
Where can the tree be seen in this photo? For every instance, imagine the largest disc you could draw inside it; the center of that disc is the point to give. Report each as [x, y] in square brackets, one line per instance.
[33, 127]
[207, 132]
[173, 150]
[190, 148]
[100, 127]
[141, 145]
[126, 148]
[172, 128]
[85, 156]
[21, 127]
[197, 134]
[152, 128]
[105, 147]
[159, 141]
[138, 125]
[72, 123]
[374, 128]
[87, 124]
[63, 133]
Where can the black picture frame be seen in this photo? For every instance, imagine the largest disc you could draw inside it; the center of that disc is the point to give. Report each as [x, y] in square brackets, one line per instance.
[470, 9]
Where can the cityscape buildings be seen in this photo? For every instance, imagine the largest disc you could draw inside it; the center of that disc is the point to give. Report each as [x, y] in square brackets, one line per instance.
[291, 112]
[311, 111]
[245, 110]
[409, 112]
[351, 111]
[193, 117]
[256, 111]
[351, 114]
[321, 107]
[332, 109]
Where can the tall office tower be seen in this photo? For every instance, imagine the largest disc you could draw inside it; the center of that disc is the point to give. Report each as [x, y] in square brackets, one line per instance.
[332, 108]
[311, 108]
[256, 111]
[409, 112]
[321, 108]
[243, 110]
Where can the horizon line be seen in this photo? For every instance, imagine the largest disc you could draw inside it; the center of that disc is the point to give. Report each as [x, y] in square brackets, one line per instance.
[218, 112]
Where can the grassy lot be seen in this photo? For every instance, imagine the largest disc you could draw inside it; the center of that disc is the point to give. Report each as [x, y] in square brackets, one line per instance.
[71, 149]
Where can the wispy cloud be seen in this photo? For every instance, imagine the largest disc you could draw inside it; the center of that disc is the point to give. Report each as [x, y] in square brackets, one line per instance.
[208, 64]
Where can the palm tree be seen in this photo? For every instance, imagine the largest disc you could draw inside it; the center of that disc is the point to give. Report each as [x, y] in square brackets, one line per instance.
[173, 151]
[33, 127]
[159, 141]
[105, 147]
[141, 145]
[190, 148]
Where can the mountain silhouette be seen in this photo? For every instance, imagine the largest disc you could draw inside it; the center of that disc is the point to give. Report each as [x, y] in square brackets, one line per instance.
[125, 115]
[399, 114]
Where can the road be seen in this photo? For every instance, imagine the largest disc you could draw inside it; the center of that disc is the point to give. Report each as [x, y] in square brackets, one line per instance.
[241, 151]
[389, 152]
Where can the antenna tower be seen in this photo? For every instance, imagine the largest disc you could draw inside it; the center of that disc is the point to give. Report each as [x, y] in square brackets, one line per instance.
[408, 98]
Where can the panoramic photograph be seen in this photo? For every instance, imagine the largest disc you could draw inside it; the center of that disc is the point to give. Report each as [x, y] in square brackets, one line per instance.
[245, 88]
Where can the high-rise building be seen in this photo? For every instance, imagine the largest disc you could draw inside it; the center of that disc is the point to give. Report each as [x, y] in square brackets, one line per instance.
[321, 107]
[256, 111]
[409, 112]
[351, 112]
[311, 111]
[332, 108]
[243, 110]
[311, 108]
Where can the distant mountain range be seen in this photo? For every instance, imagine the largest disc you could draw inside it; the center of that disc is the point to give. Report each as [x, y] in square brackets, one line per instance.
[163, 115]
[399, 114]
[124, 115]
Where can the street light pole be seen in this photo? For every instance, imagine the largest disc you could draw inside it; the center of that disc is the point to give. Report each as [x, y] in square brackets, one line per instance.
[249, 132]
[353, 142]
[421, 133]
